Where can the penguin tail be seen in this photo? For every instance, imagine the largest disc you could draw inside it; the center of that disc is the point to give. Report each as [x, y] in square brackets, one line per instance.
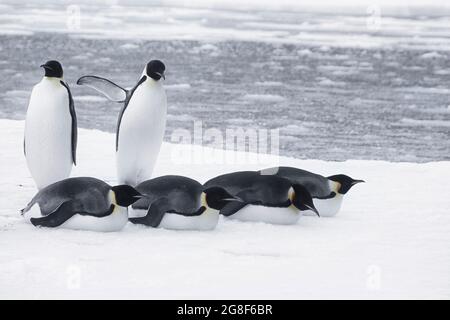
[26, 209]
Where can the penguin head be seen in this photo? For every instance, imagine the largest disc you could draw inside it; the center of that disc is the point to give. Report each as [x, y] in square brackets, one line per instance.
[126, 195]
[155, 70]
[302, 199]
[345, 182]
[217, 198]
[53, 69]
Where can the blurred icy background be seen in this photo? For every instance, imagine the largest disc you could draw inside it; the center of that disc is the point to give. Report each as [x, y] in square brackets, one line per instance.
[365, 80]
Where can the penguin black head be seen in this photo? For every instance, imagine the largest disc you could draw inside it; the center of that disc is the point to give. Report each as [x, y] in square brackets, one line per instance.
[345, 181]
[155, 70]
[53, 69]
[302, 199]
[217, 197]
[126, 195]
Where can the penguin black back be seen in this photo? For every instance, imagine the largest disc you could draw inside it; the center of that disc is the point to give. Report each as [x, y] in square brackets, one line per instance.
[316, 184]
[183, 193]
[268, 190]
[90, 191]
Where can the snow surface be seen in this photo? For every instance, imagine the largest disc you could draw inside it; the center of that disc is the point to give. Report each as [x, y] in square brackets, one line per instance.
[390, 240]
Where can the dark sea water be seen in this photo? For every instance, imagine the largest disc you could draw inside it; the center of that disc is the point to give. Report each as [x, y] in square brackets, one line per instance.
[334, 94]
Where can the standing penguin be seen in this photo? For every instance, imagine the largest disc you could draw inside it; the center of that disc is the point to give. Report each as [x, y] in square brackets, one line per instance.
[50, 128]
[327, 192]
[179, 203]
[141, 123]
[81, 203]
[263, 198]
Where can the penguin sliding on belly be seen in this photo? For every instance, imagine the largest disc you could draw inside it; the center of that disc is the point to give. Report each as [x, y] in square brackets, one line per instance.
[268, 199]
[81, 203]
[50, 141]
[327, 192]
[179, 203]
[141, 123]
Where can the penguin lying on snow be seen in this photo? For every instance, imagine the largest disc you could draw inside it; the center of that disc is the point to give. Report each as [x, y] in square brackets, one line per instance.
[141, 123]
[81, 203]
[264, 198]
[327, 192]
[180, 203]
[50, 128]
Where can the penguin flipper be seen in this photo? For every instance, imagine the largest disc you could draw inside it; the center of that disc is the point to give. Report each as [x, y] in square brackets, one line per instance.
[234, 206]
[128, 97]
[155, 213]
[231, 208]
[73, 115]
[106, 87]
[57, 217]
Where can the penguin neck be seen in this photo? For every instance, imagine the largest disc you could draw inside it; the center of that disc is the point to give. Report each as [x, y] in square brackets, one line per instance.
[334, 187]
[204, 203]
[53, 80]
[153, 83]
[112, 198]
[291, 196]
[203, 200]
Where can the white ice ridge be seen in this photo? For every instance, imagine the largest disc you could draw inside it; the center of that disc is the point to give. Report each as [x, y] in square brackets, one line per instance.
[390, 239]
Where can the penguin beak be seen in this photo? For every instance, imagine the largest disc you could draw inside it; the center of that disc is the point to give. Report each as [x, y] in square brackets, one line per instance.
[235, 199]
[45, 66]
[162, 75]
[313, 209]
[357, 181]
[140, 196]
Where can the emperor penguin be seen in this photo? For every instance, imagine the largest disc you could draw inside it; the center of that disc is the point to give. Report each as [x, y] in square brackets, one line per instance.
[141, 124]
[81, 203]
[264, 198]
[179, 203]
[50, 141]
[327, 192]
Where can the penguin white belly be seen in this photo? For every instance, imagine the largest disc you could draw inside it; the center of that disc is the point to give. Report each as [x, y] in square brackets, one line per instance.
[141, 133]
[48, 133]
[206, 221]
[327, 207]
[274, 215]
[113, 222]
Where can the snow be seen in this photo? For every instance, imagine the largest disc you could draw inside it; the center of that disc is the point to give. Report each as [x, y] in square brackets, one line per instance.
[269, 83]
[264, 97]
[428, 123]
[89, 98]
[328, 82]
[390, 239]
[178, 86]
[129, 46]
[432, 55]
